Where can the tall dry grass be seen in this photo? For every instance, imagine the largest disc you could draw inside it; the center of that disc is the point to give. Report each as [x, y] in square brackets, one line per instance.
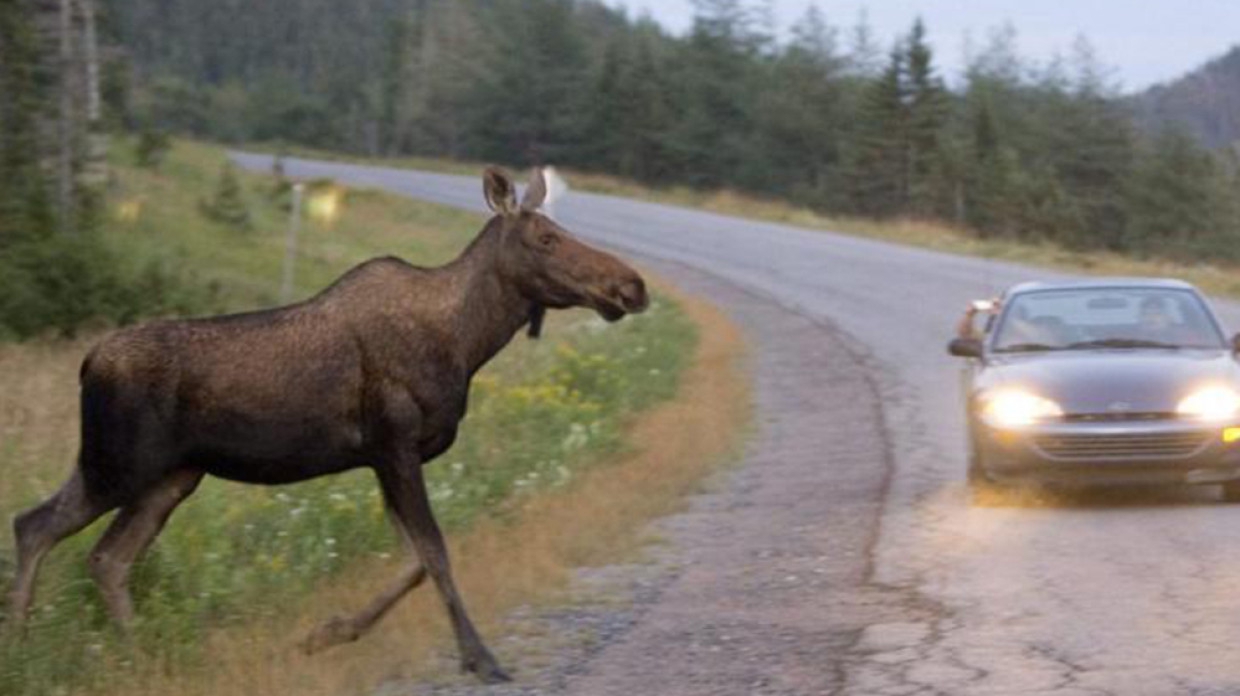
[38, 397]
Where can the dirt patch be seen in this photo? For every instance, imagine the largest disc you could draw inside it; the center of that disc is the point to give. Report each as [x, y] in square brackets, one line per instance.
[524, 560]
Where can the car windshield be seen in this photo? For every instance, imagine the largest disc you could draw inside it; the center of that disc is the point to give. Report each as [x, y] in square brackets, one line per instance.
[1105, 318]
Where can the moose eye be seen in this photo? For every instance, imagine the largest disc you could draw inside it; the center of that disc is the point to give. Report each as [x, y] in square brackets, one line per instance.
[548, 240]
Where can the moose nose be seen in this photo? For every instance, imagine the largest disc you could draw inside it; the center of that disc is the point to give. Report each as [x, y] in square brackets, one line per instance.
[632, 294]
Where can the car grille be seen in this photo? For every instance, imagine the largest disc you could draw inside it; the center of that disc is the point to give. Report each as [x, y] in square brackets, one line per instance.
[1134, 445]
[1111, 417]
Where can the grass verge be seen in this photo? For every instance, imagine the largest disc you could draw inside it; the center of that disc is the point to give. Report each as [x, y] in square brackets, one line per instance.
[521, 557]
[220, 593]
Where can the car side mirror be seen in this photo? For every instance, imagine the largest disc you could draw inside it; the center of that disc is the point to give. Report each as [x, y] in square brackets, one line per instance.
[1235, 343]
[968, 347]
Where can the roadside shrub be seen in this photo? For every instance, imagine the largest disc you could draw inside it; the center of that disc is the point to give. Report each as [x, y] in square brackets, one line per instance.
[227, 206]
[151, 148]
[58, 284]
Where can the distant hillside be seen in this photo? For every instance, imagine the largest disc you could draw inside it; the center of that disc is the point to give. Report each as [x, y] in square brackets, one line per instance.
[1206, 102]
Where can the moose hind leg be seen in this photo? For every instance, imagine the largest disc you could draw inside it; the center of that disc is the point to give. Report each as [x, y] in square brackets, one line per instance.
[133, 530]
[346, 629]
[341, 629]
[405, 492]
[40, 528]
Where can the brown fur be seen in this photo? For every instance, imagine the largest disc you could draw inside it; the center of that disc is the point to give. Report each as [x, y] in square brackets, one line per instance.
[374, 371]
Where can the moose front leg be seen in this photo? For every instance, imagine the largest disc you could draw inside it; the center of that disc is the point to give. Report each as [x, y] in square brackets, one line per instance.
[405, 492]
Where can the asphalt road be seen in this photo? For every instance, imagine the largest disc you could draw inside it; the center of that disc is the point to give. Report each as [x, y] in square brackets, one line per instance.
[1136, 593]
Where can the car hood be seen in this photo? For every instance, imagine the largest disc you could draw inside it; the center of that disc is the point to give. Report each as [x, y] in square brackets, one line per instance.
[1109, 381]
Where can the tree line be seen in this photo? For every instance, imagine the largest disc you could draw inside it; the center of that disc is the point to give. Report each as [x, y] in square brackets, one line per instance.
[824, 117]
[56, 271]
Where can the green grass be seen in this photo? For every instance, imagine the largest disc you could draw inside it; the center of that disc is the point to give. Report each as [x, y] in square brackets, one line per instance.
[232, 554]
[154, 214]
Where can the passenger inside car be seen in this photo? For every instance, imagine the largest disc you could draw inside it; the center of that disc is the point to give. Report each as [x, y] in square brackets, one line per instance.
[967, 327]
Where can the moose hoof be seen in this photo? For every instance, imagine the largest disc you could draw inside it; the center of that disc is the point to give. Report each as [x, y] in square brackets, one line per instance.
[334, 631]
[486, 669]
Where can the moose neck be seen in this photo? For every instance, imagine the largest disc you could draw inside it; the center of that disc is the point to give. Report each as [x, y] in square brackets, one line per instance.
[492, 309]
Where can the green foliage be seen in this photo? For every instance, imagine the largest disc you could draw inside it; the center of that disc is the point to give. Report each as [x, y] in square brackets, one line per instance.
[712, 75]
[174, 103]
[802, 119]
[629, 110]
[927, 113]
[151, 148]
[59, 283]
[1021, 151]
[541, 80]
[899, 160]
[1179, 201]
[25, 207]
[879, 166]
[56, 277]
[227, 206]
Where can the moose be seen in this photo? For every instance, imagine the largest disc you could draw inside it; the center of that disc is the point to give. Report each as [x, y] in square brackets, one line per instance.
[374, 371]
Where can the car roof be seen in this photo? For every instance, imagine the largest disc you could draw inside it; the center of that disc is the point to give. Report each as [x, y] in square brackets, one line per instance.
[1086, 283]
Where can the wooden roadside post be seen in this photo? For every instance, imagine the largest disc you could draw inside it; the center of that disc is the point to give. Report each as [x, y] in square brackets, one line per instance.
[290, 245]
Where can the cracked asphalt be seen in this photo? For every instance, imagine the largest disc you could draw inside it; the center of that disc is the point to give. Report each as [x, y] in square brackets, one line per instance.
[843, 555]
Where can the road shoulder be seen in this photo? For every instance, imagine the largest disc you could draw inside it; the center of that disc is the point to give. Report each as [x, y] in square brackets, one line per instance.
[763, 585]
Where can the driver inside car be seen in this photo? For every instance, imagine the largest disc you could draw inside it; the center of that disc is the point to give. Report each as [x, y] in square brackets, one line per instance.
[1155, 323]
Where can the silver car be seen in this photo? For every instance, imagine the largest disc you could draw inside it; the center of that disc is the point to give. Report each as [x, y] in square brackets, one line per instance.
[1117, 381]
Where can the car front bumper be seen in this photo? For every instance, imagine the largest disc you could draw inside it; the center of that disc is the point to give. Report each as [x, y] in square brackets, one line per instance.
[1111, 452]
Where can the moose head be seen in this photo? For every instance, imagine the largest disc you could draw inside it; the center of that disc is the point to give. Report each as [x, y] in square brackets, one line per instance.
[552, 268]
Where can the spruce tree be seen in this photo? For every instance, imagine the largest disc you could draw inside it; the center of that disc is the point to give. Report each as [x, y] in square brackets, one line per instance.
[151, 147]
[25, 208]
[879, 155]
[1176, 198]
[536, 83]
[927, 108]
[1087, 139]
[801, 114]
[713, 87]
[227, 205]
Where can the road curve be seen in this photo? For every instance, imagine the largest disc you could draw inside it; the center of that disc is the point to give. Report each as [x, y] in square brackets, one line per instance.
[1132, 594]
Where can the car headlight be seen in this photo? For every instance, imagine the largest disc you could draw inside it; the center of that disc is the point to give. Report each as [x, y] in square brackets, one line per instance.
[1014, 407]
[1210, 403]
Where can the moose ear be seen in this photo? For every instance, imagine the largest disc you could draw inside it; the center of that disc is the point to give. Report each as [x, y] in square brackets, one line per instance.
[536, 191]
[499, 191]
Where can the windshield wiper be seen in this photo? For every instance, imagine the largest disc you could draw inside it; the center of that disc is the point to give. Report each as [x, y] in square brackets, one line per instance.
[1121, 343]
[1026, 347]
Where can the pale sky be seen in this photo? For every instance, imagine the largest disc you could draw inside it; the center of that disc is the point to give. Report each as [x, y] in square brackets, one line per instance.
[1144, 41]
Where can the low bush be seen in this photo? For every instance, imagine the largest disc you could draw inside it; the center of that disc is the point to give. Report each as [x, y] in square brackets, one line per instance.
[61, 283]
